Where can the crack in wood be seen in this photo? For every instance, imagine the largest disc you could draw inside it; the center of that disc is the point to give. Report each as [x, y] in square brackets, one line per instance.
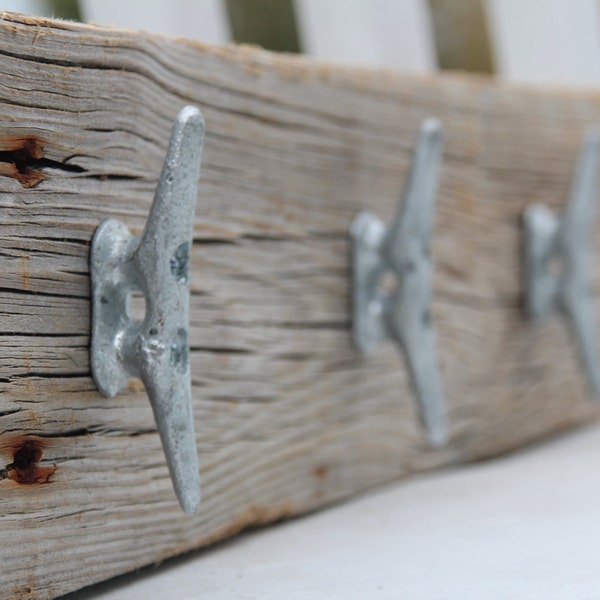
[5, 413]
[24, 161]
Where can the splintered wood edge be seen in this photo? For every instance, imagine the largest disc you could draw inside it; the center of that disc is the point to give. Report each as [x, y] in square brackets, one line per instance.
[289, 417]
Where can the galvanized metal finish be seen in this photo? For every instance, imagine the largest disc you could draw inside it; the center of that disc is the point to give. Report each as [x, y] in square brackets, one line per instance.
[155, 264]
[392, 281]
[559, 255]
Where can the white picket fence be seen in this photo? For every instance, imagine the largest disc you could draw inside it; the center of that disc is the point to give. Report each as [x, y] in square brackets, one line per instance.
[536, 41]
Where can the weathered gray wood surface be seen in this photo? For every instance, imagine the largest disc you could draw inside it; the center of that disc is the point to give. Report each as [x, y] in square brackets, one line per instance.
[289, 416]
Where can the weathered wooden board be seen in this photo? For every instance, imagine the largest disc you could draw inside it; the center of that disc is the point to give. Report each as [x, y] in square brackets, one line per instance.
[289, 416]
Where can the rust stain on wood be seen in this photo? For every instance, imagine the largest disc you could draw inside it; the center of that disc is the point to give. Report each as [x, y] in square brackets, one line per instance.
[25, 272]
[25, 468]
[320, 472]
[253, 516]
[20, 592]
[16, 157]
[136, 385]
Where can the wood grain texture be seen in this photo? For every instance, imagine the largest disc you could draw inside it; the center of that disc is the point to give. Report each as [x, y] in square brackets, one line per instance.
[288, 416]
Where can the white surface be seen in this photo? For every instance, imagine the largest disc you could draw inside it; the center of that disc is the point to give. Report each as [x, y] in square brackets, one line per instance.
[526, 527]
[375, 32]
[27, 7]
[546, 41]
[204, 20]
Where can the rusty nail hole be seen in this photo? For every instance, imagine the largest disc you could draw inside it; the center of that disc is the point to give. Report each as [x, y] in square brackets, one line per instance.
[321, 472]
[23, 160]
[25, 468]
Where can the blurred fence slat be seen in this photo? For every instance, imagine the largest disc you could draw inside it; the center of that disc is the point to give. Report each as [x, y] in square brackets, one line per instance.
[461, 35]
[204, 20]
[268, 23]
[554, 41]
[375, 32]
